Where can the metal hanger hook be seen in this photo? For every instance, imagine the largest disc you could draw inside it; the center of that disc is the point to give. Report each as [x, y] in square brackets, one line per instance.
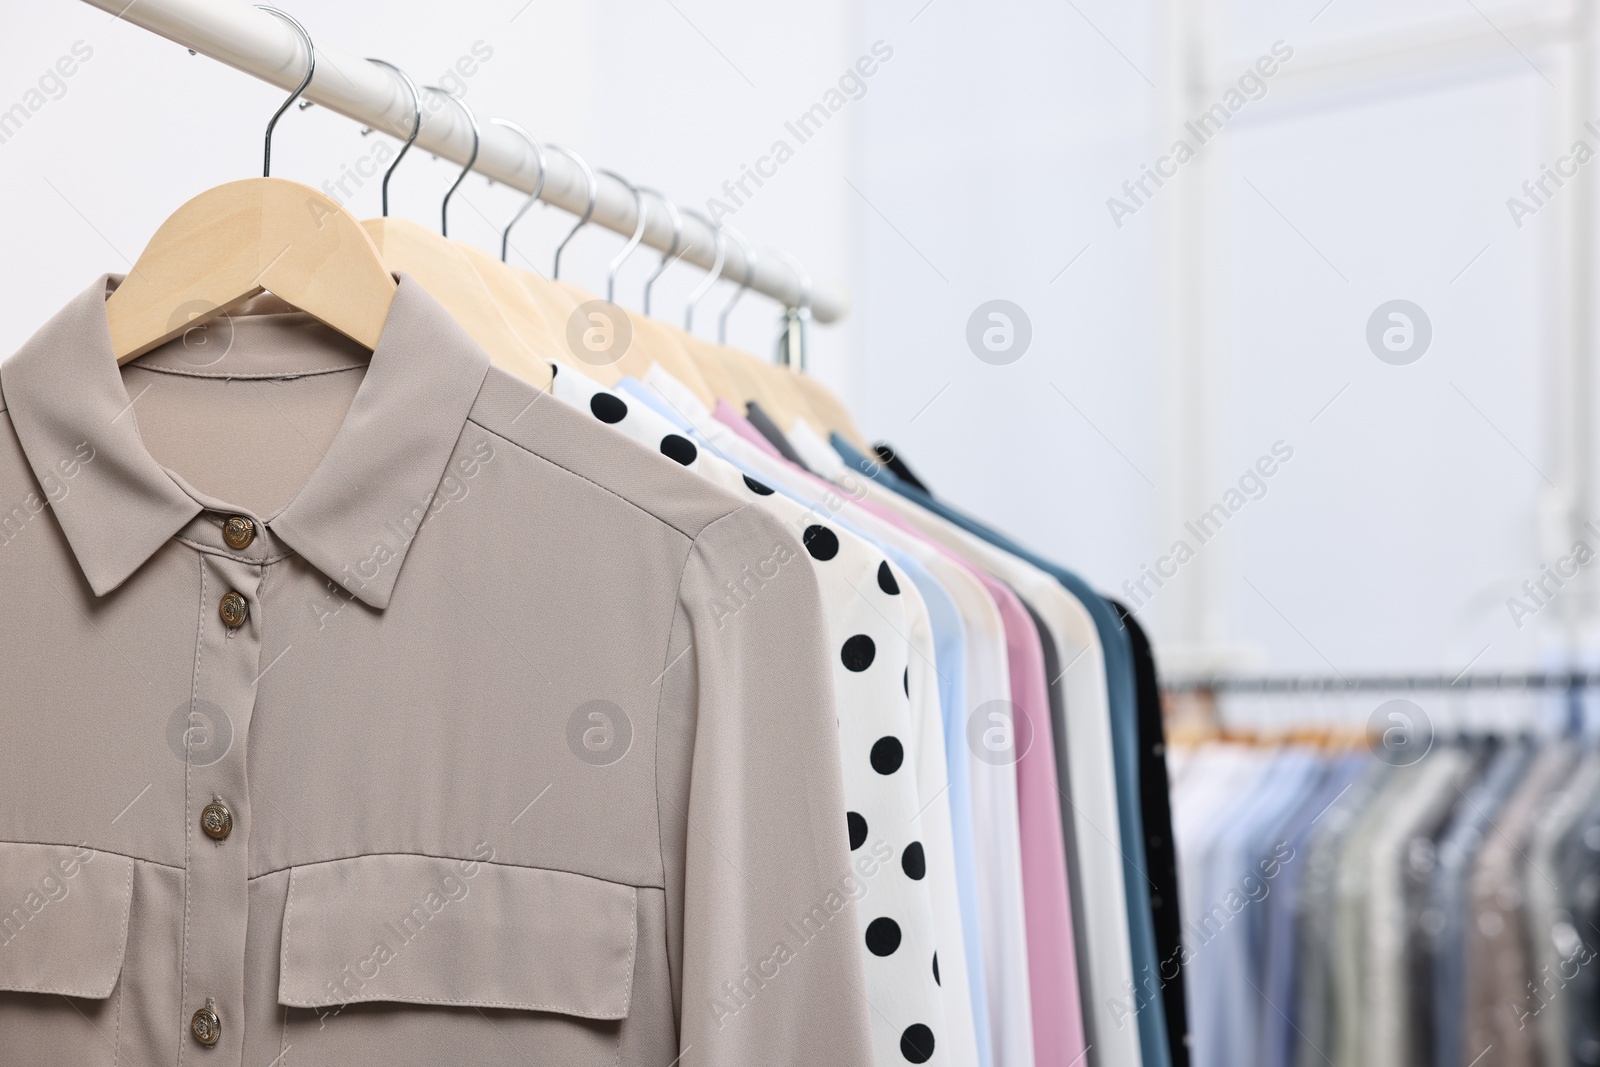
[633, 242]
[588, 212]
[477, 140]
[795, 317]
[744, 283]
[710, 279]
[416, 125]
[538, 183]
[677, 238]
[311, 70]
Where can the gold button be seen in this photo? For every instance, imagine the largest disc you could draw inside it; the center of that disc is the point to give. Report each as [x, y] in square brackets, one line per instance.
[234, 609]
[216, 820]
[239, 531]
[206, 1027]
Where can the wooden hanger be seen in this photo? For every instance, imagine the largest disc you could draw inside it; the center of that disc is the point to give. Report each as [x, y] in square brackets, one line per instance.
[828, 409]
[230, 243]
[803, 396]
[447, 270]
[442, 268]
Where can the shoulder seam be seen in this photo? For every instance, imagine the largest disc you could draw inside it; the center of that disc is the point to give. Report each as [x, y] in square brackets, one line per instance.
[605, 489]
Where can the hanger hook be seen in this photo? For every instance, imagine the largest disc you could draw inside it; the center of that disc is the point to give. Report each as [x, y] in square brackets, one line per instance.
[477, 140]
[311, 70]
[710, 279]
[677, 238]
[416, 125]
[588, 212]
[744, 283]
[633, 242]
[793, 342]
[538, 183]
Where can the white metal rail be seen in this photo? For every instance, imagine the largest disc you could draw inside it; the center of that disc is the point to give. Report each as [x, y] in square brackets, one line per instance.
[235, 33]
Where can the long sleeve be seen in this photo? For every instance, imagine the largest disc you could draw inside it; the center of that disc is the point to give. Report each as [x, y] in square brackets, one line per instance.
[759, 883]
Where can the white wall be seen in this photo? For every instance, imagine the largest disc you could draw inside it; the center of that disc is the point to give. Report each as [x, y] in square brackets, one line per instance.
[976, 165]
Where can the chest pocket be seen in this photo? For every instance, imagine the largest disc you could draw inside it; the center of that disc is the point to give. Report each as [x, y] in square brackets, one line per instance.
[63, 934]
[401, 958]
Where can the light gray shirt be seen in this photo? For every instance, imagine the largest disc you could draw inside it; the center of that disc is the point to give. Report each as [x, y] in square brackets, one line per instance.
[446, 749]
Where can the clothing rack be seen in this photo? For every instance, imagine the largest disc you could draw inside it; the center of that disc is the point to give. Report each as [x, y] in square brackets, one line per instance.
[1567, 688]
[1538, 680]
[251, 40]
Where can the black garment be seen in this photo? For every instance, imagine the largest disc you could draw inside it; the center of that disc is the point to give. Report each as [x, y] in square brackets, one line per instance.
[1160, 853]
[891, 459]
[767, 428]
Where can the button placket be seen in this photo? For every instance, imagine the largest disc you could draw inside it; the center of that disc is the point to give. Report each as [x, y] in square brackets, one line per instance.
[228, 659]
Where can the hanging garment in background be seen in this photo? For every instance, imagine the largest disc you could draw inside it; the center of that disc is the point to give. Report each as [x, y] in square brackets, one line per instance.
[1389, 876]
[1497, 937]
[1450, 902]
[1418, 814]
[467, 643]
[1280, 968]
[1420, 868]
[1316, 1025]
[1238, 865]
[1559, 951]
[1580, 879]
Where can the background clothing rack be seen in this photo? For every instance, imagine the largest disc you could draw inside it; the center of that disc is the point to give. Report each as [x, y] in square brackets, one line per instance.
[1567, 687]
[247, 39]
[1335, 683]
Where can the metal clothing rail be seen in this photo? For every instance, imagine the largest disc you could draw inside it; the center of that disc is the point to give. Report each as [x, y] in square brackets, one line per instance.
[1336, 684]
[247, 39]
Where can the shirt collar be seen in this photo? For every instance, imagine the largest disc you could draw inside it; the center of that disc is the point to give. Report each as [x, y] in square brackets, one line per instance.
[376, 481]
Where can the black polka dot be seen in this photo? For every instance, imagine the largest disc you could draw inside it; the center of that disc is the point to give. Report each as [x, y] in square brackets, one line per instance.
[608, 408]
[887, 755]
[679, 448]
[858, 830]
[821, 542]
[883, 937]
[757, 487]
[913, 862]
[905, 682]
[916, 1044]
[936, 970]
[886, 580]
[858, 652]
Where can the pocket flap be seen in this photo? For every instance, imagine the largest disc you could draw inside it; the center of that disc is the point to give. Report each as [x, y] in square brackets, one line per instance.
[422, 930]
[63, 919]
